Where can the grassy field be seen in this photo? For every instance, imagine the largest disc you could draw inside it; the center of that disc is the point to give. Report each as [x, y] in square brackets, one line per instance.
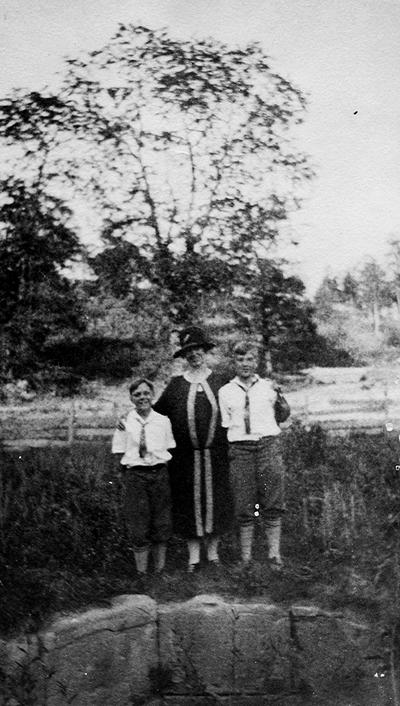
[63, 543]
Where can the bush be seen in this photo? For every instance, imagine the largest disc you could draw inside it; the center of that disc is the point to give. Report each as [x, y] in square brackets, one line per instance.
[92, 357]
[63, 542]
[391, 334]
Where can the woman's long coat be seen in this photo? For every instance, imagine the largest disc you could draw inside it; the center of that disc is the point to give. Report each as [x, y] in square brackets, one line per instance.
[199, 470]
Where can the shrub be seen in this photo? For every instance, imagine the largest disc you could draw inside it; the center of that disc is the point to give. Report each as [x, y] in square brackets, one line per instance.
[63, 542]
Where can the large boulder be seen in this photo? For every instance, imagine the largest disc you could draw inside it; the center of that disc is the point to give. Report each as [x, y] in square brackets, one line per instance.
[104, 656]
[204, 651]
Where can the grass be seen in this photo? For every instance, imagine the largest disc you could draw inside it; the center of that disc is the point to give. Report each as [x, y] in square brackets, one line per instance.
[63, 544]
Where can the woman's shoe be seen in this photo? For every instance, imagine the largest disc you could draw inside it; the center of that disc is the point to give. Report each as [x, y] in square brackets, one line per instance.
[193, 568]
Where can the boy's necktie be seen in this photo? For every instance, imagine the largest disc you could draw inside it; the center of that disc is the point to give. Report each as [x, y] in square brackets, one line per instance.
[142, 442]
[247, 408]
[247, 412]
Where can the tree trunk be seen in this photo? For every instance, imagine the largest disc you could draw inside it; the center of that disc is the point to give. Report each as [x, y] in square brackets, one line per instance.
[265, 362]
[376, 317]
[398, 301]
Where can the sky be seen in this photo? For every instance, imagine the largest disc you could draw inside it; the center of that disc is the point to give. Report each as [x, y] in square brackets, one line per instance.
[343, 54]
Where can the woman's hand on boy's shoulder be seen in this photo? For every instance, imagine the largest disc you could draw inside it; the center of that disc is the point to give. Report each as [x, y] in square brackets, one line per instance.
[121, 424]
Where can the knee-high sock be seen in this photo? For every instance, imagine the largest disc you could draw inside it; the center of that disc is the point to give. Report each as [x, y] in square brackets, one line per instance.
[246, 541]
[159, 556]
[212, 548]
[273, 532]
[194, 550]
[141, 559]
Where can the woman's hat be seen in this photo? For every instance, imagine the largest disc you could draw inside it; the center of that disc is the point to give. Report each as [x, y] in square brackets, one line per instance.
[192, 337]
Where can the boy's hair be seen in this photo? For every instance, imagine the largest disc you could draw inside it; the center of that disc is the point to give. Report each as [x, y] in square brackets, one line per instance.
[139, 381]
[243, 347]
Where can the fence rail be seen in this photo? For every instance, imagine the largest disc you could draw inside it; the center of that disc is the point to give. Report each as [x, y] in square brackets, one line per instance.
[40, 426]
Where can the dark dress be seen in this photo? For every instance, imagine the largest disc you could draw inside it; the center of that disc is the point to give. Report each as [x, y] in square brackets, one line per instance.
[199, 470]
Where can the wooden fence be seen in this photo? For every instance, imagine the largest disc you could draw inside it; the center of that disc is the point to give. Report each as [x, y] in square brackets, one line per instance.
[66, 423]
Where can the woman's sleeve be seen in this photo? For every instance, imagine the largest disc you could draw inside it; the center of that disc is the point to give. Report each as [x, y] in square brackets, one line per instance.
[170, 441]
[163, 403]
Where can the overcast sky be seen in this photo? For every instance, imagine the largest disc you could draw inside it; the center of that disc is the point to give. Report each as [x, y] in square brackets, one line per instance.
[344, 54]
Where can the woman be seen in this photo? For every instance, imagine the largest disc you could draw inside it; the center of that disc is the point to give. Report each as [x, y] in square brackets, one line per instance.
[199, 473]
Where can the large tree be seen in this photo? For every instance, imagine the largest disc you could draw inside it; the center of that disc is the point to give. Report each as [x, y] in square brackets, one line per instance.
[37, 300]
[272, 305]
[375, 292]
[180, 147]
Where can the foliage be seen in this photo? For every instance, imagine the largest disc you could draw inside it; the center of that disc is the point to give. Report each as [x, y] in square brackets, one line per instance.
[373, 285]
[90, 357]
[63, 542]
[350, 289]
[327, 295]
[35, 243]
[360, 312]
[272, 306]
[368, 289]
[176, 147]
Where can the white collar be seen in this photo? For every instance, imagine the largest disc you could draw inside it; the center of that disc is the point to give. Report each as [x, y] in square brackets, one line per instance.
[243, 385]
[194, 376]
[140, 418]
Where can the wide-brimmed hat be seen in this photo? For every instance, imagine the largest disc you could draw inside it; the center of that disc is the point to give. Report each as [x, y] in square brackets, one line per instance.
[192, 337]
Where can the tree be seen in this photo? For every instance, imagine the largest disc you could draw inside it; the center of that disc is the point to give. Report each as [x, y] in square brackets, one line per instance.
[38, 301]
[375, 291]
[327, 295]
[350, 289]
[119, 267]
[180, 147]
[394, 263]
[274, 306]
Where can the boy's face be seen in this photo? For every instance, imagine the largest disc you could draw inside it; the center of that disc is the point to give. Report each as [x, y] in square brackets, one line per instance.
[246, 365]
[142, 398]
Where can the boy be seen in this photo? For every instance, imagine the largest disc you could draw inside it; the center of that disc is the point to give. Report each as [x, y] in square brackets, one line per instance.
[256, 467]
[144, 438]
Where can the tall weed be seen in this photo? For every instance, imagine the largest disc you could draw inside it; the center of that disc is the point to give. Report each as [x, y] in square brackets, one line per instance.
[63, 542]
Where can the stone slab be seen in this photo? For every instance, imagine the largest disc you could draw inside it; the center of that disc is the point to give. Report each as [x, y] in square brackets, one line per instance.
[104, 656]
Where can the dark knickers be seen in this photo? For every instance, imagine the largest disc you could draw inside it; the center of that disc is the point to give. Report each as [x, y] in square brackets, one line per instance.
[147, 505]
[257, 477]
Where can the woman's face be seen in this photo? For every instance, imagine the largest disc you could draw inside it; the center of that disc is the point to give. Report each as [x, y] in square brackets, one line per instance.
[195, 358]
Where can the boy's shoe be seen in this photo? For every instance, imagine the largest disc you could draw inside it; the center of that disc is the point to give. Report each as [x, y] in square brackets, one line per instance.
[245, 568]
[214, 568]
[214, 564]
[275, 564]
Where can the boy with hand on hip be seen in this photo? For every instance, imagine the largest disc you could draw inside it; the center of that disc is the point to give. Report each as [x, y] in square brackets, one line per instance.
[249, 410]
[143, 438]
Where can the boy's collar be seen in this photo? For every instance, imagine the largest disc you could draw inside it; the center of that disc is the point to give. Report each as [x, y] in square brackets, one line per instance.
[241, 383]
[139, 416]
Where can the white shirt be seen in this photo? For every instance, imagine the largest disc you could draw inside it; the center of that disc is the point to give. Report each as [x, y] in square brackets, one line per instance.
[262, 396]
[159, 439]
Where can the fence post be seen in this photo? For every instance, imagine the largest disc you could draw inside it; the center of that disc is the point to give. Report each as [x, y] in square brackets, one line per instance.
[115, 412]
[71, 422]
[306, 409]
[385, 399]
